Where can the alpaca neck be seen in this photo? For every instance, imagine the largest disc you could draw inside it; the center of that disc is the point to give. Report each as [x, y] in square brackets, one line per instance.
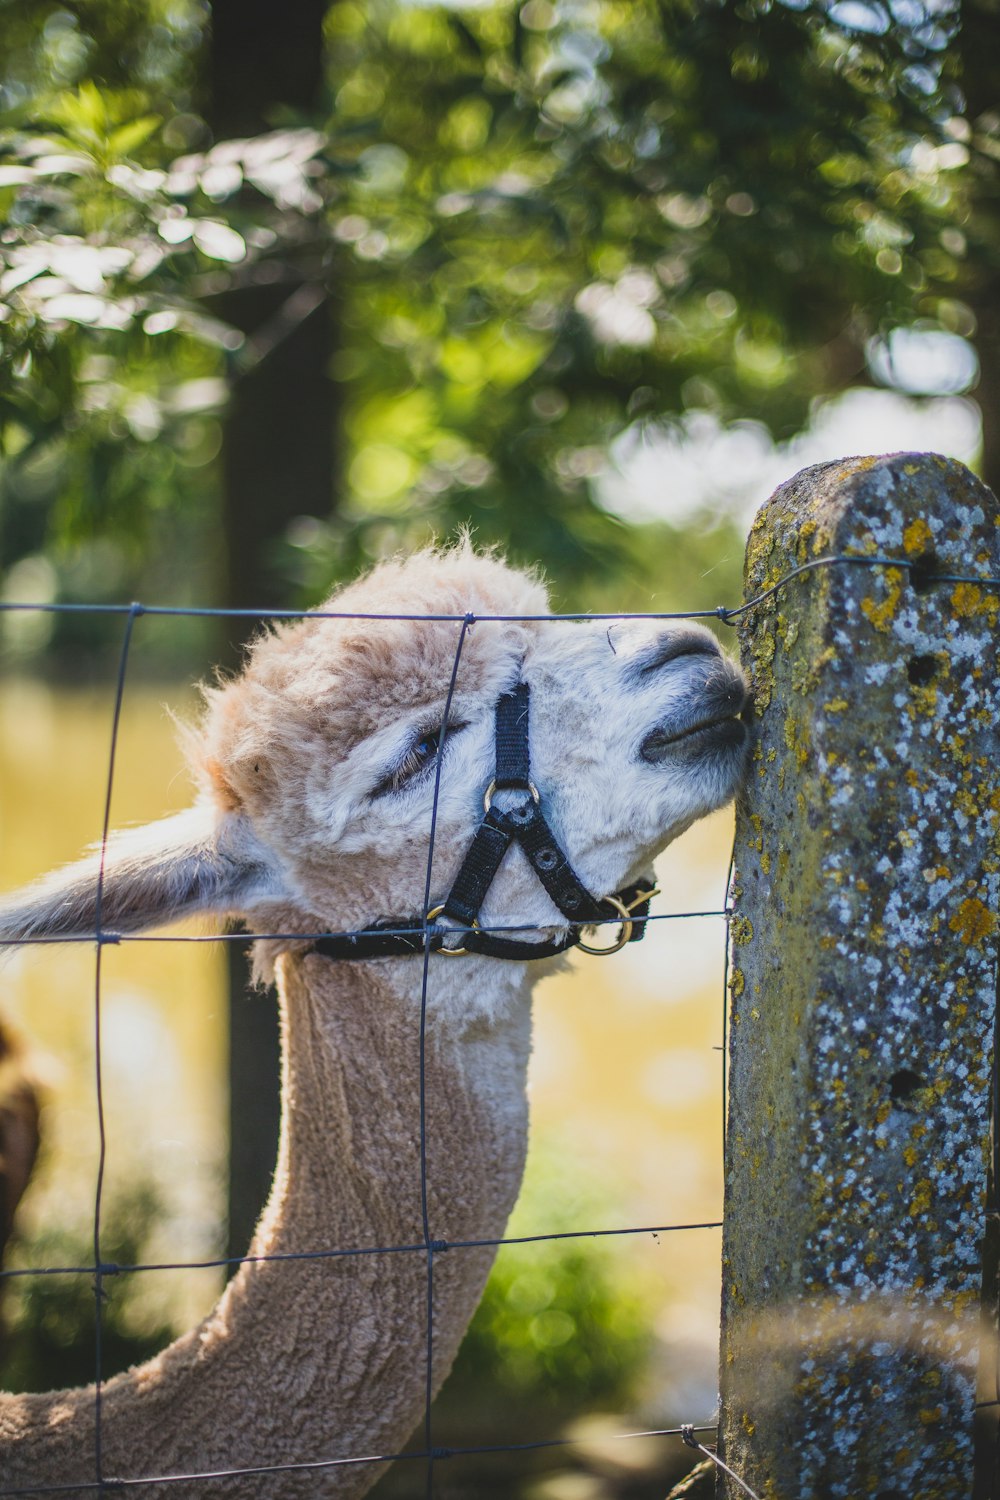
[326, 1357]
[351, 1165]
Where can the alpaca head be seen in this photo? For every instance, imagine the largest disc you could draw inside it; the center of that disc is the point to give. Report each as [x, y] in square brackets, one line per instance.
[328, 743]
[319, 762]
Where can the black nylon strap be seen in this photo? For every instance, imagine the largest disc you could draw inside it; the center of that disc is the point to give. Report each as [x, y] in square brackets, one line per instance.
[638, 908]
[523, 823]
[513, 765]
[488, 946]
[374, 943]
[478, 869]
[528, 826]
[406, 939]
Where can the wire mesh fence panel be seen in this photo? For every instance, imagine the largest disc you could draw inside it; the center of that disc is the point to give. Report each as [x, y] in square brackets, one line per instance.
[408, 1105]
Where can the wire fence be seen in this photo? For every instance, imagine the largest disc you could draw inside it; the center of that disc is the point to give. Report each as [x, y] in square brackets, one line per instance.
[429, 1246]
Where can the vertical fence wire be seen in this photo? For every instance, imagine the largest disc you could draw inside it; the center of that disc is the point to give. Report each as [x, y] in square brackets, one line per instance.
[100, 938]
[425, 973]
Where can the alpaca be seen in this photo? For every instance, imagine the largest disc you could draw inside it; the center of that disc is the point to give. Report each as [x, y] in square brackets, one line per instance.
[319, 768]
[20, 1107]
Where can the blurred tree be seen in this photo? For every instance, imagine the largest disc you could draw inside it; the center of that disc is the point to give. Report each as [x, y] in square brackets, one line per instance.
[548, 224]
[277, 463]
[969, 279]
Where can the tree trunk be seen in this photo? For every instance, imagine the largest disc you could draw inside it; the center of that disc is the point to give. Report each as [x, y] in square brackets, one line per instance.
[980, 282]
[277, 463]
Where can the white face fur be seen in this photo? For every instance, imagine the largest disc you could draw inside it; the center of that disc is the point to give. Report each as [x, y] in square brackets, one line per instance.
[618, 770]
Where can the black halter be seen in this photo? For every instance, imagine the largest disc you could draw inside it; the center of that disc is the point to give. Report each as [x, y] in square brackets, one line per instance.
[524, 823]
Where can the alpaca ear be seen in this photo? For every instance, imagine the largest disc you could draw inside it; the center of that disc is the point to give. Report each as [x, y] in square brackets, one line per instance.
[194, 862]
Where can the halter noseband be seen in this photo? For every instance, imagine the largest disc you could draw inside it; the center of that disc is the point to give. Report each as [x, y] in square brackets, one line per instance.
[523, 823]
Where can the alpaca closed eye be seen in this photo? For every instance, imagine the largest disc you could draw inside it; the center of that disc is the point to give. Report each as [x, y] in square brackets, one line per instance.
[421, 755]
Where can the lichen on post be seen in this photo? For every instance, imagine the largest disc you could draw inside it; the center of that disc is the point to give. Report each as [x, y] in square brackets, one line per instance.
[863, 988]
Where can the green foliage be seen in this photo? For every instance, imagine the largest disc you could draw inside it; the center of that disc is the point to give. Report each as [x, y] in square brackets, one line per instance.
[564, 1325]
[541, 225]
[48, 1337]
[563, 1333]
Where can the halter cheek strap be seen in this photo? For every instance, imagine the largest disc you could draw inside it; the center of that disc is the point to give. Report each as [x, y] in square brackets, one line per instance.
[524, 823]
[521, 822]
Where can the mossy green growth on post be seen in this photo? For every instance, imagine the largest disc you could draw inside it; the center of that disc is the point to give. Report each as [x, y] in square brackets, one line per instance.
[863, 988]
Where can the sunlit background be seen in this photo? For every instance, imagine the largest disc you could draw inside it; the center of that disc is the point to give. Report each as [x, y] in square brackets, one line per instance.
[590, 277]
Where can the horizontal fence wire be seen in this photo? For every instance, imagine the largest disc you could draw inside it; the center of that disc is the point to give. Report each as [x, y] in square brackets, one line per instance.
[117, 939]
[307, 1465]
[112, 1268]
[721, 612]
[429, 1246]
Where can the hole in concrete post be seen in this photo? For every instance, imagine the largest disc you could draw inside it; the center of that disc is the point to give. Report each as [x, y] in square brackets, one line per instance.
[921, 669]
[923, 572]
[904, 1083]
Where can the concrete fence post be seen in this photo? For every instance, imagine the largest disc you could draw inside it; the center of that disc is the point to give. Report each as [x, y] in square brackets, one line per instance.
[863, 994]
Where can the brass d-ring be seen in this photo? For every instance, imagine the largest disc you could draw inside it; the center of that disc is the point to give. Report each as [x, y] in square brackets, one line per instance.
[449, 952]
[623, 936]
[488, 794]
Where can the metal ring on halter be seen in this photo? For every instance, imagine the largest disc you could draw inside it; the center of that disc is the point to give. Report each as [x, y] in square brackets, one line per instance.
[450, 952]
[624, 934]
[488, 794]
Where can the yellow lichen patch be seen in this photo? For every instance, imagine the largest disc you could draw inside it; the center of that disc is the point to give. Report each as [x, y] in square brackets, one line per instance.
[966, 803]
[737, 983]
[925, 699]
[930, 1414]
[806, 530]
[881, 614]
[796, 739]
[836, 706]
[965, 599]
[917, 536]
[921, 1200]
[764, 652]
[741, 930]
[973, 921]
